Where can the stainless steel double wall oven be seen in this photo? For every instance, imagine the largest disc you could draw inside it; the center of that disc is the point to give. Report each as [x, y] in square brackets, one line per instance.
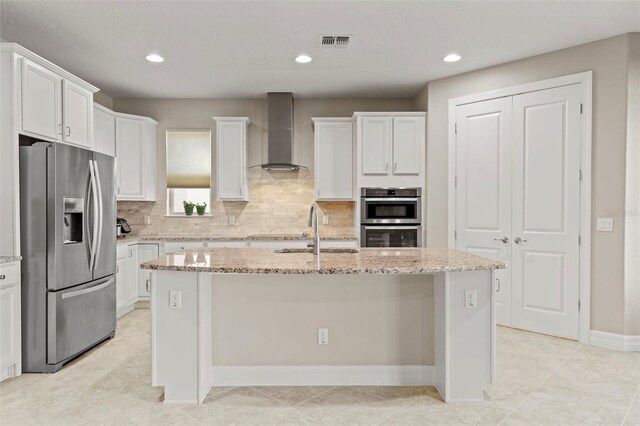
[391, 217]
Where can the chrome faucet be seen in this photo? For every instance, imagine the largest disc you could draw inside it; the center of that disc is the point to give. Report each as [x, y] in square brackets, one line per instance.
[313, 221]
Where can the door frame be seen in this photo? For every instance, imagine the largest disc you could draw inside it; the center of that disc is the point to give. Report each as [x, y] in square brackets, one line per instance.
[585, 80]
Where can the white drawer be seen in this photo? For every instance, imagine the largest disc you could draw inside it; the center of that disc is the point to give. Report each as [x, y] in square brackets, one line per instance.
[123, 251]
[9, 274]
[338, 243]
[279, 244]
[227, 244]
[174, 247]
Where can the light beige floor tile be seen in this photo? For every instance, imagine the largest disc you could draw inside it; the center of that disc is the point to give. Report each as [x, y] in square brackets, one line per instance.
[633, 415]
[292, 395]
[350, 406]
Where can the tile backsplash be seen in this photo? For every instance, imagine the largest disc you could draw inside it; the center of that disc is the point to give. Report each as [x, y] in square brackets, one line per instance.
[279, 203]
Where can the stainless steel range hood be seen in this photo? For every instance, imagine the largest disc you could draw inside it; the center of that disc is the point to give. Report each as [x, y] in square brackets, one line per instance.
[280, 111]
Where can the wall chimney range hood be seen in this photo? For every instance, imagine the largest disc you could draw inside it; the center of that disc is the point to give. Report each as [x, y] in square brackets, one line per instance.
[280, 121]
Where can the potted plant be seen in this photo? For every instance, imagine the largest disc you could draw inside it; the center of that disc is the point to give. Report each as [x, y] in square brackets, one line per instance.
[200, 207]
[188, 207]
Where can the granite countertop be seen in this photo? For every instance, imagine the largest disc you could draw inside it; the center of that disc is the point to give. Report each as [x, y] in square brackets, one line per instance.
[366, 261]
[9, 259]
[250, 237]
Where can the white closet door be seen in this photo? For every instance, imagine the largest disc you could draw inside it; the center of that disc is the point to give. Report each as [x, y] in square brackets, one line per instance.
[483, 192]
[546, 202]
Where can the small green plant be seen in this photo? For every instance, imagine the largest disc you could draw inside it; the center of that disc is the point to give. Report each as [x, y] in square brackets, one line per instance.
[200, 208]
[188, 207]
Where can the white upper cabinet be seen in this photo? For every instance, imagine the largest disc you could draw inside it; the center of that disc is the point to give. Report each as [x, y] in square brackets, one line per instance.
[54, 107]
[104, 130]
[136, 158]
[391, 144]
[408, 139]
[333, 158]
[77, 115]
[41, 101]
[376, 136]
[231, 158]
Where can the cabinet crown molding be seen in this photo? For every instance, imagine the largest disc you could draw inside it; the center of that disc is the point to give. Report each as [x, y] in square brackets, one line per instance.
[19, 50]
[246, 120]
[390, 114]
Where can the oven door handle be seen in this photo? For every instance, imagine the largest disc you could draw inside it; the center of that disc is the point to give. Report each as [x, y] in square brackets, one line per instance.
[385, 199]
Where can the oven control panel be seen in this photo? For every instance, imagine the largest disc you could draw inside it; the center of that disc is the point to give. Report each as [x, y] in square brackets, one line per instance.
[391, 192]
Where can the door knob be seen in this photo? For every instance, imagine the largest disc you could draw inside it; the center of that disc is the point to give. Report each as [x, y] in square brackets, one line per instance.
[519, 240]
[505, 240]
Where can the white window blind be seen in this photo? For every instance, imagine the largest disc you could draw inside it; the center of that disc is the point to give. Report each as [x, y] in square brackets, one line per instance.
[188, 159]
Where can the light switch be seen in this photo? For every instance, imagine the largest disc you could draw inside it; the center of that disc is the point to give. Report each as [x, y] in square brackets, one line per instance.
[605, 224]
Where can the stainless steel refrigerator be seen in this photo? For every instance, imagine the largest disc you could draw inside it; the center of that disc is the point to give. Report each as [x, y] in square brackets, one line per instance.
[68, 245]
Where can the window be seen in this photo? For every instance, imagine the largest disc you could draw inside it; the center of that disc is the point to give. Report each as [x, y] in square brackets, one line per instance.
[188, 169]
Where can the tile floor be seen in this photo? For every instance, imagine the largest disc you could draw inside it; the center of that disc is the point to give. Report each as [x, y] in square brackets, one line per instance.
[541, 381]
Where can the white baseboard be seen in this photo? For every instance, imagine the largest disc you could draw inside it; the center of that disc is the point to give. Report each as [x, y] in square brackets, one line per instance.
[323, 375]
[123, 310]
[618, 342]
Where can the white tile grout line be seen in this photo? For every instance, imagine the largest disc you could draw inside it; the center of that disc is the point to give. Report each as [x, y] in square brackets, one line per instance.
[541, 383]
[293, 407]
[635, 396]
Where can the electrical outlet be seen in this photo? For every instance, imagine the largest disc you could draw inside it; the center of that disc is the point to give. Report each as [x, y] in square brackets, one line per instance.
[147, 220]
[323, 336]
[175, 299]
[470, 299]
[325, 219]
[232, 220]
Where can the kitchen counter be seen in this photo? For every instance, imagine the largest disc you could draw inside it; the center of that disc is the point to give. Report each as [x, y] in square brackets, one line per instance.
[9, 259]
[208, 302]
[250, 237]
[365, 261]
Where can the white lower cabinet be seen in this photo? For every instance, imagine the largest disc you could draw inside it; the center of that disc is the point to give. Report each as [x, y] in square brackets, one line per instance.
[126, 278]
[10, 324]
[146, 252]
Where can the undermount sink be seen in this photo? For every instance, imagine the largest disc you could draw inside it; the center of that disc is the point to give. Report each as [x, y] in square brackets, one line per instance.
[322, 250]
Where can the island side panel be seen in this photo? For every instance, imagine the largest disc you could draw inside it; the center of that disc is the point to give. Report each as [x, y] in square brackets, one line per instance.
[175, 335]
[464, 345]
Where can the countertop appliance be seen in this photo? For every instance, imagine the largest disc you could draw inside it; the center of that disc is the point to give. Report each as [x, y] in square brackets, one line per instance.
[122, 227]
[67, 212]
[391, 217]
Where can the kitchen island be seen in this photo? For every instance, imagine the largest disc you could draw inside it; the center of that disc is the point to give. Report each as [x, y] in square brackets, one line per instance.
[182, 331]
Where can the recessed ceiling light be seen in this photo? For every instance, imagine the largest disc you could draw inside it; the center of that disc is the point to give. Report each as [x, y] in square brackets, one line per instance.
[452, 58]
[303, 59]
[155, 58]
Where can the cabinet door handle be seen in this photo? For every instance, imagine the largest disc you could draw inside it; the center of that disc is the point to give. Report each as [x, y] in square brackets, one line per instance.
[386, 167]
[498, 286]
[117, 269]
[504, 240]
[130, 253]
[60, 126]
[68, 131]
[3, 276]
[147, 286]
[519, 240]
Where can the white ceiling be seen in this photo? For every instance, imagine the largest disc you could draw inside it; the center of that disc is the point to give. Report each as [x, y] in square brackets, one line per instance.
[245, 49]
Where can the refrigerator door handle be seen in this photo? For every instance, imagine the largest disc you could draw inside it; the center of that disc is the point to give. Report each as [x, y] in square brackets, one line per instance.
[87, 290]
[94, 233]
[100, 213]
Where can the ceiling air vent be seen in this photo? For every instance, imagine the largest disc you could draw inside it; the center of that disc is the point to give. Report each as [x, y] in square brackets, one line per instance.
[335, 41]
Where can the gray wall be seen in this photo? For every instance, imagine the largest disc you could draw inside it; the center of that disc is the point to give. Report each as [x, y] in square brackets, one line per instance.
[608, 59]
[632, 208]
